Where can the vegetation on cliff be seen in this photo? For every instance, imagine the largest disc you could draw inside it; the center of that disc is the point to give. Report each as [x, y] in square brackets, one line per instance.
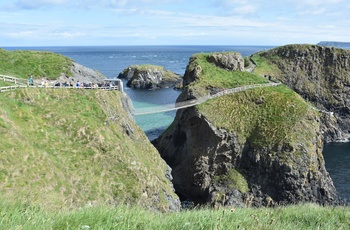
[208, 76]
[39, 64]
[319, 74]
[266, 116]
[261, 147]
[63, 149]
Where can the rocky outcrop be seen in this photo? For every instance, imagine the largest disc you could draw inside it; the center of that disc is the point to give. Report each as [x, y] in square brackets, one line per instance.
[321, 75]
[230, 60]
[82, 74]
[262, 147]
[149, 77]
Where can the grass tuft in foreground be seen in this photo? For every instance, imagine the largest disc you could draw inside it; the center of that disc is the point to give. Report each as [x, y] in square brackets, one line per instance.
[308, 216]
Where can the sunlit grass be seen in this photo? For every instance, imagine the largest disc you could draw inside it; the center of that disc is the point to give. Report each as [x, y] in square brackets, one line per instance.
[308, 216]
[214, 77]
[21, 64]
[63, 149]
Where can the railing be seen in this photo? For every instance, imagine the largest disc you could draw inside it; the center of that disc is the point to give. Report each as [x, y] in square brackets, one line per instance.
[13, 79]
[22, 83]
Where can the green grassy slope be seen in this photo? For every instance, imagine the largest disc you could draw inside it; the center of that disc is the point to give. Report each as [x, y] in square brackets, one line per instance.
[267, 116]
[63, 148]
[308, 216]
[21, 64]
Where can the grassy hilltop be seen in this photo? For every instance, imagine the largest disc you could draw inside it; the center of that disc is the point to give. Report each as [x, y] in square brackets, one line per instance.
[22, 63]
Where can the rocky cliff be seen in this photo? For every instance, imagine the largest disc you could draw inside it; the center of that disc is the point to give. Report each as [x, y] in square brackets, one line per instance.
[260, 147]
[149, 77]
[321, 75]
[82, 74]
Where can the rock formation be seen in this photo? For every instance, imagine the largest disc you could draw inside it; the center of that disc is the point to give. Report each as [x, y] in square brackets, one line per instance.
[260, 147]
[149, 77]
[82, 74]
[321, 75]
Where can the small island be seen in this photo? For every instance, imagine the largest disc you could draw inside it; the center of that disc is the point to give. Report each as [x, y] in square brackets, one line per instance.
[150, 77]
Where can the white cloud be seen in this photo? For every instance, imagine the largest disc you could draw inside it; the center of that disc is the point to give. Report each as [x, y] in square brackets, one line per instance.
[318, 11]
[21, 34]
[33, 4]
[319, 2]
[246, 9]
[67, 34]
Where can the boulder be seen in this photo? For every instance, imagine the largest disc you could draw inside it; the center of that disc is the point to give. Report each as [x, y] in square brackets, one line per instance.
[232, 61]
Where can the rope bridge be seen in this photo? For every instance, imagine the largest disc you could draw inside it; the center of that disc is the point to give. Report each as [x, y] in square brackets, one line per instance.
[194, 102]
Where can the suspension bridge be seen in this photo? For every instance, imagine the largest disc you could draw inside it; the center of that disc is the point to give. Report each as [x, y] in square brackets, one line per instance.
[23, 83]
[194, 102]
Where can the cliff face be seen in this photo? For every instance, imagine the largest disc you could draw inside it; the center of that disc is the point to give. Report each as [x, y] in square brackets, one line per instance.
[149, 77]
[259, 147]
[320, 75]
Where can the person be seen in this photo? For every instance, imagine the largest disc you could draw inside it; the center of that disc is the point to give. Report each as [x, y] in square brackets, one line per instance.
[31, 82]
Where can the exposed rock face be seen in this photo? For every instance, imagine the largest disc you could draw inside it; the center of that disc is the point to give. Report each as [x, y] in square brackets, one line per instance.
[149, 77]
[211, 163]
[321, 75]
[82, 74]
[229, 61]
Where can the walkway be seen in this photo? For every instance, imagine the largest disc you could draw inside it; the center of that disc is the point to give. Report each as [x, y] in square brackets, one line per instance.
[194, 102]
[23, 83]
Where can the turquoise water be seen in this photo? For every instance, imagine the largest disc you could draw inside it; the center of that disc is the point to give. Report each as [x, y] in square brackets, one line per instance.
[145, 100]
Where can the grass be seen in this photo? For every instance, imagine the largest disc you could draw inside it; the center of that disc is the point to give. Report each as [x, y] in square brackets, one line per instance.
[308, 216]
[266, 116]
[21, 64]
[4, 83]
[64, 149]
[214, 77]
[264, 66]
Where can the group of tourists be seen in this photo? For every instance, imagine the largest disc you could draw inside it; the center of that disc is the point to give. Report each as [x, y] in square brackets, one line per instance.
[90, 85]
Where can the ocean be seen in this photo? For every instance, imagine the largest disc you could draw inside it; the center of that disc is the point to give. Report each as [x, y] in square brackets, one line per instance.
[111, 60]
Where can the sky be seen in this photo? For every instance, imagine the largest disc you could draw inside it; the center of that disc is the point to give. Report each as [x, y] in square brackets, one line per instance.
[172, 22]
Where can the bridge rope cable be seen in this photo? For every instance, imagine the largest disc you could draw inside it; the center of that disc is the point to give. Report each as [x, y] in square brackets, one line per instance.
[194, 102]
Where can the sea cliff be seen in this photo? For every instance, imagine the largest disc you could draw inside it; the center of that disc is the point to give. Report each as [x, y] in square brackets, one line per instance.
[260, 147]
[321, 75]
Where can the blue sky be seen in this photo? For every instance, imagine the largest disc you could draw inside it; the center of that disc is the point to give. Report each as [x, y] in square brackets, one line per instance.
[172, 22]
